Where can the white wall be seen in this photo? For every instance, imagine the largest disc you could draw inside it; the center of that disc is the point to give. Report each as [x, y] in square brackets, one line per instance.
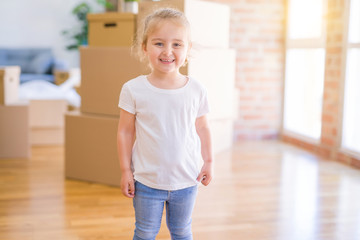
[39, 23]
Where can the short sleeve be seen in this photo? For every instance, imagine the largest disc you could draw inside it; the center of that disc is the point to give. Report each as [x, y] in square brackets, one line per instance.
[126, 100]
[204, 104]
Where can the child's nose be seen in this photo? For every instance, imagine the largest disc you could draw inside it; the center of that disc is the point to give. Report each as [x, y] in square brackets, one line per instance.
[167, 50]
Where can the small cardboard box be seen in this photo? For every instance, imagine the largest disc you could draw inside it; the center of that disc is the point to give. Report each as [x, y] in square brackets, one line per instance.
[47, 113]
[9, 84]
[14, 131]
[209, 21]
[47, 121]
[103, 72]
[62, 76]
[47, 136]
[111, 29]
[91, 148]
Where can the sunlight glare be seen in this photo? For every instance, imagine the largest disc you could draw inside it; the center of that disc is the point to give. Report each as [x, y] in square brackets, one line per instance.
[305, 19]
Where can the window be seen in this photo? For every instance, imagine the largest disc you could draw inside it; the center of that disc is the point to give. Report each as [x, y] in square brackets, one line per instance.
[301, 27]
[304, 87]
[304, 68]
[351, 114]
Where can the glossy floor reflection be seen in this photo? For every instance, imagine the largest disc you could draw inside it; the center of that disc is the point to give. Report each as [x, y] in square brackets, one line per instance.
[261, 191]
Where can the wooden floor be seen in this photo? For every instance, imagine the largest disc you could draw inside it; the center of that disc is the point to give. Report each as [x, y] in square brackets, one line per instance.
[262, 191]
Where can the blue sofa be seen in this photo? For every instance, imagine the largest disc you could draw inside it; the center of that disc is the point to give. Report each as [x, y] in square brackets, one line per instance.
[35, 63]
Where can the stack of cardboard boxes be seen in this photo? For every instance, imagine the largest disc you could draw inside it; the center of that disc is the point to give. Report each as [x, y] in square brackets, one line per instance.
[26, 123]
[107, 63]
[46, 119]
[14, 116]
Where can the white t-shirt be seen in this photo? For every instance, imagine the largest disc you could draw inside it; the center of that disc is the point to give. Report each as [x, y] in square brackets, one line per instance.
[167, 151]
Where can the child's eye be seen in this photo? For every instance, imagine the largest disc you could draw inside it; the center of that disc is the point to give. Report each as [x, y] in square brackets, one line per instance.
[159, 44]
[177, 45]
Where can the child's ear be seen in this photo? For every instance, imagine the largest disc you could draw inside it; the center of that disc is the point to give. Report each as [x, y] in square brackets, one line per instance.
[144, 48]
[189, 48]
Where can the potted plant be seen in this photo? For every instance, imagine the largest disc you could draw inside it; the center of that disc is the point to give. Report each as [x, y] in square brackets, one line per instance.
[79, 35]
[131, 6]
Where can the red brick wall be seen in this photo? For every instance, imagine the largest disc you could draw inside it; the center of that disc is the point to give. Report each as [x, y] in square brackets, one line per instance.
[331, 115]
[257, 34]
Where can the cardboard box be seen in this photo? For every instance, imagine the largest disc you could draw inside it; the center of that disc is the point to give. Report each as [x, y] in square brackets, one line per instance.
[47, 113]
[46, 119]
[62, 76]
[215, 69]
[103, 72]
[14, 131]
[222, 134]
[91, 148]
[111, 29]
[9, 84]
[47, 136]
[209, 21]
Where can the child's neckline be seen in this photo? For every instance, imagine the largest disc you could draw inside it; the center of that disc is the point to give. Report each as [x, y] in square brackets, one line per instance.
[166, 90]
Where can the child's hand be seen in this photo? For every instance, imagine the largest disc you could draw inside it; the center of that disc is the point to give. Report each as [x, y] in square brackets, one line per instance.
[127, 184]
[206, 174]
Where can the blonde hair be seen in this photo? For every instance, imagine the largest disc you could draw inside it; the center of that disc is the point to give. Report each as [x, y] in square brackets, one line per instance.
[150, 24]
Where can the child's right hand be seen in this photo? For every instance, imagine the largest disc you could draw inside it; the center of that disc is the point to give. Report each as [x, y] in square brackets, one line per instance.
[127, 184]
[206, 174]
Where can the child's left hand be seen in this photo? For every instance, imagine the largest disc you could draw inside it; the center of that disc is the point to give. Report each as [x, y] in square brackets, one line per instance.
[206, 174]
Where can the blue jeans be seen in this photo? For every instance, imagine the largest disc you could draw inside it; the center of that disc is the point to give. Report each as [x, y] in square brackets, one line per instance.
[149, 205]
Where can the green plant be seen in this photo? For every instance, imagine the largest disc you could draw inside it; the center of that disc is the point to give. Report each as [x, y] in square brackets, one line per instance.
[79, 35]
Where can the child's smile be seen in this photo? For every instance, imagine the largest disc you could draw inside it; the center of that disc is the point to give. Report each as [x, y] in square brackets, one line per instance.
[167, 60]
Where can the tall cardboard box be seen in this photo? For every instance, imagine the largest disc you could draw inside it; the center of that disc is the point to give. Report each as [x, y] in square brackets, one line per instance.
[46, 119]
[111, 29]
[215, 69]
[209, 21]
[222, 134]
[103, 72]
[9, 84]
[14, 131]
[90, 148]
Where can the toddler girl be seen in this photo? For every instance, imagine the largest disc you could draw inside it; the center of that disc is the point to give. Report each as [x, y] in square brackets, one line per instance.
[166, 111]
